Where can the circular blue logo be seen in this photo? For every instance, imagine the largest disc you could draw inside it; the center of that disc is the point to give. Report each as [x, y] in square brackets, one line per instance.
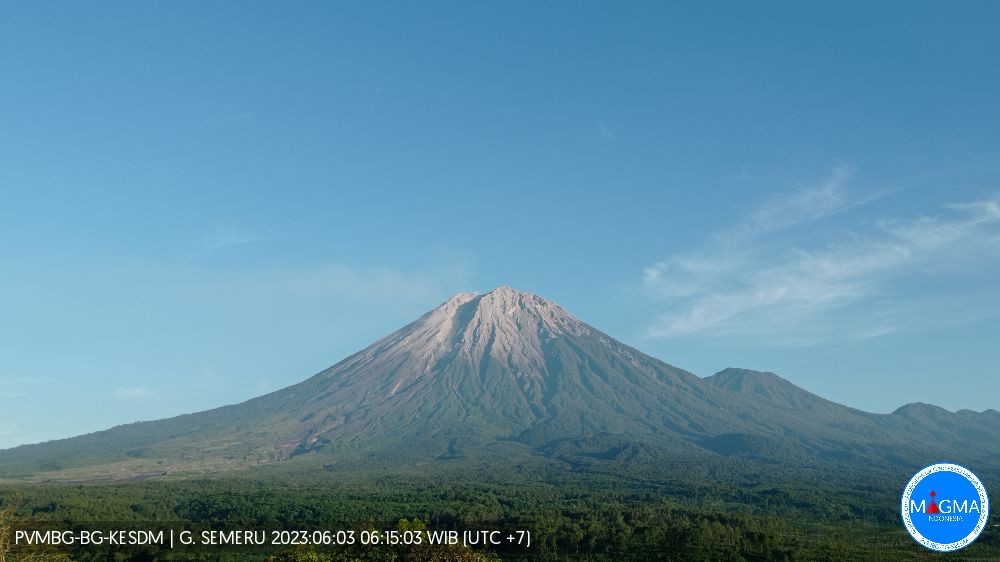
[945, 507]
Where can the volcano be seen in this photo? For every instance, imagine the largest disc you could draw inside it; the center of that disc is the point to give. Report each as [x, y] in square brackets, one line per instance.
[511, 367]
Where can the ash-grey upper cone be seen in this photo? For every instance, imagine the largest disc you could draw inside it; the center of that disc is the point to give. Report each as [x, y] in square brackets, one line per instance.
[511, 366]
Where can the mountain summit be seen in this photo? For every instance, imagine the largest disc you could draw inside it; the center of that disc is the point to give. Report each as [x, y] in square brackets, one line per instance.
[503, 325]
[505, 364]
[511, 367]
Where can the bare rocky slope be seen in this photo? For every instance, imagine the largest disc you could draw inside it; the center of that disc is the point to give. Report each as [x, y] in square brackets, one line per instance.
[509, 366]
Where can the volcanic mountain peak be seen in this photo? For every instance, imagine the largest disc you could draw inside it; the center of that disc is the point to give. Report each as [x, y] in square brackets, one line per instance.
[497, 323]
[504, 327]
[511, 367]
[508, 310]
[511, 326]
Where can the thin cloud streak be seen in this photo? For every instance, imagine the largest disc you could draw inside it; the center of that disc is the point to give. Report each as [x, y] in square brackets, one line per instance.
[751, 289]
[132, 392]
[17, 387]
[736, 248]
[23, 380]
[223, 237]
[364, 282]
[604, 133]
[806, 205]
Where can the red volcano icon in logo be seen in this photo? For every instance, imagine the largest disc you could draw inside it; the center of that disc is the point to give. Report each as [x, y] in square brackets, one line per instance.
[933, 508]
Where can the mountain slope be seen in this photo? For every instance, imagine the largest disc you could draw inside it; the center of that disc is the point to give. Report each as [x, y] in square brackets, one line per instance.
[509, 366]
[770, 388]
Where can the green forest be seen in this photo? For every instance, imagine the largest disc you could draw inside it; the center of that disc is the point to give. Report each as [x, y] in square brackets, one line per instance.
[724, 511]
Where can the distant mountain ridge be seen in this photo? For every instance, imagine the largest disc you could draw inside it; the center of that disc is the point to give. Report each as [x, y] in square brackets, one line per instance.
[509, 366]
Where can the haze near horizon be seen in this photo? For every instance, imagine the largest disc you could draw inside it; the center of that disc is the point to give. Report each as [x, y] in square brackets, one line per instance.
[202, 204]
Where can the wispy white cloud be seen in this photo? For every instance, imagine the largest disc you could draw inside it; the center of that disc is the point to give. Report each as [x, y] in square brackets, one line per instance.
[132, 392]
[18, 386]
[212, 375]
[736, 248]
[18, 381]
[364, 282]
[227, 236]
[604, 133]
[805, 205]
[744, 283]
[339, 288]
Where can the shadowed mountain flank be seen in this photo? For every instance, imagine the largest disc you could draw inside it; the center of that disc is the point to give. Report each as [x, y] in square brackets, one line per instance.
[511, 367]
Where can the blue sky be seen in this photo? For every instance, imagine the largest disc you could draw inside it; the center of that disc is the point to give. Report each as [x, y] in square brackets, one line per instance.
[203, 202]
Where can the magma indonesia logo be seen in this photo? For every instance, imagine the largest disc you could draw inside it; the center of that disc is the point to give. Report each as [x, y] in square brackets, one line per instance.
[945, 507]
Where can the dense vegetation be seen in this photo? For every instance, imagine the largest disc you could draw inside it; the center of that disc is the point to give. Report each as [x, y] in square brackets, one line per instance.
[503, 412]
[728, 511]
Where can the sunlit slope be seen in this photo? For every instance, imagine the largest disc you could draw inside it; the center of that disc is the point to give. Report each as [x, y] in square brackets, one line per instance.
[511, 366]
